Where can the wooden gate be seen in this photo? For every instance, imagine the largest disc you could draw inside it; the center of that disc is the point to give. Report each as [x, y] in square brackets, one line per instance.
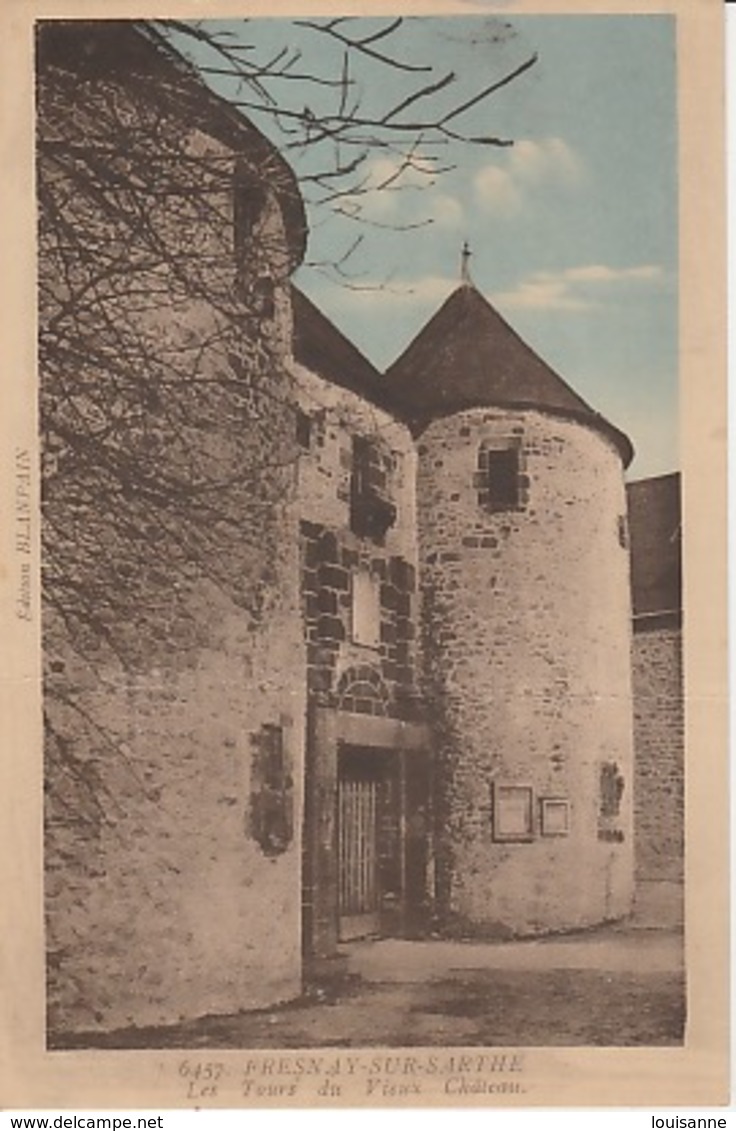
[359, 891]
[366, 830]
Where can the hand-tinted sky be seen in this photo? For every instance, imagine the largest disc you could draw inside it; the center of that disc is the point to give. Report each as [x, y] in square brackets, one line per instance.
[573, 230]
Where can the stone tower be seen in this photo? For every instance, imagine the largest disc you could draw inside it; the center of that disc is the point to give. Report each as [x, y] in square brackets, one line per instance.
[526, 619]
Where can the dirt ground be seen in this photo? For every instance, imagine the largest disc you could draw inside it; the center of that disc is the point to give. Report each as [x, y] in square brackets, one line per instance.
[606, 987]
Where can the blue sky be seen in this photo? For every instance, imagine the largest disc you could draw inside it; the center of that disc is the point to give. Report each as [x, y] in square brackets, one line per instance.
[573, 230]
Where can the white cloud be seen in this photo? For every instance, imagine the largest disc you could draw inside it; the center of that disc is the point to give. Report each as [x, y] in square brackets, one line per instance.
[550, 159]
[496, 191]
[394, 169]
[600, 273]
[570, 289]
[541, 293]
[446, 211]
[393, 190]
[506, 188]
[574, 288]
[389, 179]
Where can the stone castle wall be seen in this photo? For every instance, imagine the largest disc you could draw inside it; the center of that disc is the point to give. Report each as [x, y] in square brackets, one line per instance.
[659, 794]
[527, 671]
[175, 668]
[176, 700]
[345, 669]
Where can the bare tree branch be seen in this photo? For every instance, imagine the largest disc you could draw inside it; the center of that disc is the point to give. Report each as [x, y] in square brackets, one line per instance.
[165, 410]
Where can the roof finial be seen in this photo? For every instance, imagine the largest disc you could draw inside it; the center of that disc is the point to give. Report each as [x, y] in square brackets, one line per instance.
[465, 263]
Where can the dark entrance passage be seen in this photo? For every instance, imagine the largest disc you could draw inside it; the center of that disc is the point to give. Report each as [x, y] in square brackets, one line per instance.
[369, 837]
[366, 852]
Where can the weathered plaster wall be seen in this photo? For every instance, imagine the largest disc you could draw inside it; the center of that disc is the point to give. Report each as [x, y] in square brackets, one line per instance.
[175, 673]
[527, 670]
[161, 903]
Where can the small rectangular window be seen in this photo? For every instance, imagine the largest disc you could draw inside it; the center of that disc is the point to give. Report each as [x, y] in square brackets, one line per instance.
[498, 480]
[368, 473]
[502, 478]
[371, 511]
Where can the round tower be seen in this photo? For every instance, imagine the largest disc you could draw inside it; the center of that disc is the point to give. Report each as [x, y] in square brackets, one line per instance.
[526, 622]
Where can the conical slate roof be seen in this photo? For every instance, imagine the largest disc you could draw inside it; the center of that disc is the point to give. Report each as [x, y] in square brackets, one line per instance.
[467, 356]
[318, 345]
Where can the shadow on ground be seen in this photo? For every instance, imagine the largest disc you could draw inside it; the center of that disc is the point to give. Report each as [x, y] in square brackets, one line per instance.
[601, 988]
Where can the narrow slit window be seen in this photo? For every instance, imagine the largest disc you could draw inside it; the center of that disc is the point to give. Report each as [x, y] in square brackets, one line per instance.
[303, 430]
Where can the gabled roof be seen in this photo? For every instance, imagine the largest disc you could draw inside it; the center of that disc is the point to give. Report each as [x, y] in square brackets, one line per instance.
[467, 356]
[655, 535]
[319, 346]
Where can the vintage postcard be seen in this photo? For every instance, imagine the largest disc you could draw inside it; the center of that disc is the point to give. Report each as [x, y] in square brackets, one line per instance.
[363, 555]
